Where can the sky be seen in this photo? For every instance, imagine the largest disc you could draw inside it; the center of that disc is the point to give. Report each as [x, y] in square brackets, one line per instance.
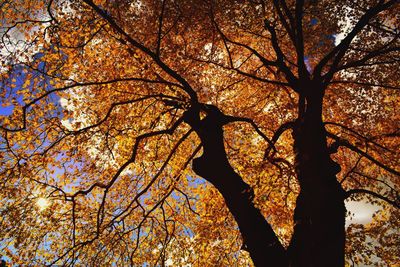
[362, 211]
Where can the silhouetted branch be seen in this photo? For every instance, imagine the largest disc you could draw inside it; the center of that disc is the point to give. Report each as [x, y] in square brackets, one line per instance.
[299, 42]
[345, 143]
[280, 56]
[338, 52]
[185, 85]
[74, 85]
[385, 86]
[160, 25]
[284, 127]
[254, 125]
[358, 135]
[395, 203]
[369, 56]
[284, 13]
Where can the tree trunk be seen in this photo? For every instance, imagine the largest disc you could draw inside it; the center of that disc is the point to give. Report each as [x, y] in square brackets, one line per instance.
[319, 232]
[258, 237]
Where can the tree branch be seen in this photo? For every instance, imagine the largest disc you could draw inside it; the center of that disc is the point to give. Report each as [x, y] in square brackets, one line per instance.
[185, 85]
[254, 125]
[289, 27]
[362, 61]
[347, 144]
[160, 24]
[280, 56]
[394, 203]
[358, 135]
[385, 86]
[299, 44]
[340, 50]
[74, 85]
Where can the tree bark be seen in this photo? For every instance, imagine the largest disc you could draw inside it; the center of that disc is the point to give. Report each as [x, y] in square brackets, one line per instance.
[258, 237]
[319, 231]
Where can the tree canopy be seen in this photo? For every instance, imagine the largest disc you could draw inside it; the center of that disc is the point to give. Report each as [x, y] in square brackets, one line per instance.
[198, 133]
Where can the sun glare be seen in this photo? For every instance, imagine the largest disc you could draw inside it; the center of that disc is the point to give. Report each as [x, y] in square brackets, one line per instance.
[42, 203]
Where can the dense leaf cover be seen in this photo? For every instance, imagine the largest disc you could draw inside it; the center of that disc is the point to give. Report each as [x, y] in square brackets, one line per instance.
[96, 147]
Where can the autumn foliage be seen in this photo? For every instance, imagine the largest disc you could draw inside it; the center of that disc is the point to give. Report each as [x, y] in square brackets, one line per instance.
[198, 133]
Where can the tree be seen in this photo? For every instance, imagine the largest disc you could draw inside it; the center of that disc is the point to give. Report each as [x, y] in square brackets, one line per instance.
[213, 133]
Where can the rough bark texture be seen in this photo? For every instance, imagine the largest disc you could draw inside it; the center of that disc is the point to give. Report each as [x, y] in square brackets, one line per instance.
[319, 232]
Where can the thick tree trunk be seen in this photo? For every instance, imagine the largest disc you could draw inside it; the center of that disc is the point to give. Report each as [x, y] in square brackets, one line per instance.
[258, 237]
[319, 232]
